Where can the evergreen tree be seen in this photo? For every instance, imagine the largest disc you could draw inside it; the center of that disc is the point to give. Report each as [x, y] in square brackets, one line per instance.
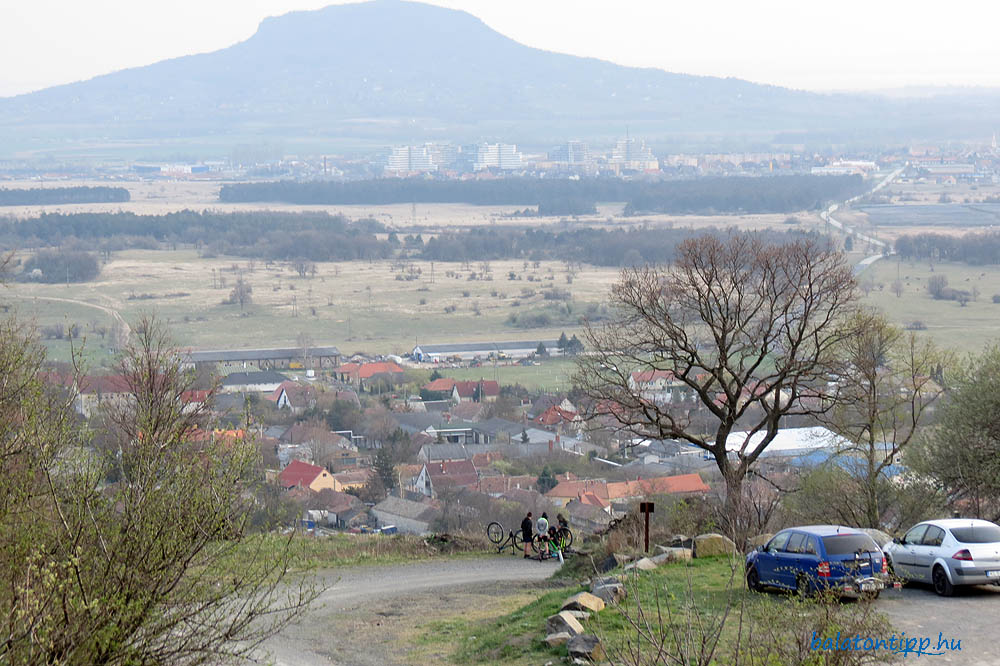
[546, 481]
[384, 468]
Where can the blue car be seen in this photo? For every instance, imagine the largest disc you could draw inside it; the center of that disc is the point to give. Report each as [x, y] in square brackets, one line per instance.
[816, 558]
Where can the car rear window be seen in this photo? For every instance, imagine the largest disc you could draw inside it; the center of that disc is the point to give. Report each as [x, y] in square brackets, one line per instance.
[846, 544]
[977, 534]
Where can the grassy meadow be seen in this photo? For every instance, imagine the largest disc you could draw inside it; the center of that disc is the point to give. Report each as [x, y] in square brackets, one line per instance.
[962, 328]
[376, 307]
[688, 597]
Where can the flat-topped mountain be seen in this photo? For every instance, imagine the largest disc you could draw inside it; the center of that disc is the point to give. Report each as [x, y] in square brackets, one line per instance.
[390, 70]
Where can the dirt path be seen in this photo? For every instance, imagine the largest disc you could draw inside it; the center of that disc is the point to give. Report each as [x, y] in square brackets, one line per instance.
[370, 615]
[111, 312]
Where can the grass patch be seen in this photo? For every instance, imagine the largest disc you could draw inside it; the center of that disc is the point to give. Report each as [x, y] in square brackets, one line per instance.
[553, 374]
[948, 323]
[320, 552]
[772, 628]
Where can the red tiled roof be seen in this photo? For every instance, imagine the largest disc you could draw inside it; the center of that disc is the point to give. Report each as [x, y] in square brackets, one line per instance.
[58, 378]
[602, 490]
[299, 473]
[104, 384]
[574, 489]
[331, 500]
[647, 376]
[369, 370]
[350, 476]
[467, 389]
[681, 483]
[594, 500]
[484, 459]
[555, 415]
[453, 473]
[440, 384]
[502, 484]
[194, 396]
[624, 489]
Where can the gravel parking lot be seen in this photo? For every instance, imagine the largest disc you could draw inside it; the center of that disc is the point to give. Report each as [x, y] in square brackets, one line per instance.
[971, 616]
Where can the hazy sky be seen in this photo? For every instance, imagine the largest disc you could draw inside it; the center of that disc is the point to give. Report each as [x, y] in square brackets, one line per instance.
[811, 44]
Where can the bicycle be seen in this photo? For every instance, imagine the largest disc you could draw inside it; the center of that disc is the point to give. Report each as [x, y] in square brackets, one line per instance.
[494, 532]
[560, 542]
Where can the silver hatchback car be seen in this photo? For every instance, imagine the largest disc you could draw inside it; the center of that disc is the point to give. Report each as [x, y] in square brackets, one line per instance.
[948, 553]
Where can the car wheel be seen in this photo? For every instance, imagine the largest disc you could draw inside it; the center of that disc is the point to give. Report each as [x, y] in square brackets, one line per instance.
[753, 580]
[942, 585]
[802, 586]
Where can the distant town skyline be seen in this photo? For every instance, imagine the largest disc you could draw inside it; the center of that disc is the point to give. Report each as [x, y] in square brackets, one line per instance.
[849, 45]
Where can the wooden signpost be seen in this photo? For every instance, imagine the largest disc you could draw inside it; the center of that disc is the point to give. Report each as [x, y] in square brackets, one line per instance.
[646, 508]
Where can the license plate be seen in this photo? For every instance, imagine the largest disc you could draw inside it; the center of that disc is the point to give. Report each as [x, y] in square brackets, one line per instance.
[993, 574]
[868, 587]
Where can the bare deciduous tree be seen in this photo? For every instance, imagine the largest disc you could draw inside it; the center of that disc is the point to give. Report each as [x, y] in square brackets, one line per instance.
[749, 327]
[884, 390]
[155, 567]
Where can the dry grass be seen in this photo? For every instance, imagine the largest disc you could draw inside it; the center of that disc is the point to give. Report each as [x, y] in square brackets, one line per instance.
[165, 196]
[356, 305]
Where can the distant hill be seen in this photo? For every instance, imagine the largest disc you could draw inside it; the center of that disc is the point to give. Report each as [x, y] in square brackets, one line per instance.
[389, 70]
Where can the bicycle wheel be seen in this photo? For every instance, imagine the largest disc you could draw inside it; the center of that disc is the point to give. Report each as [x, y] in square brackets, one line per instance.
[536, 544]
[565, 537]
[494, 532]
[518, 541]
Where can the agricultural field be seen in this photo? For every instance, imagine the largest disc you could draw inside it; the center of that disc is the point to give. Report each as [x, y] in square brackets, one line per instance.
[950, 324]
[552, 374]
[377, 307]
[162, 196]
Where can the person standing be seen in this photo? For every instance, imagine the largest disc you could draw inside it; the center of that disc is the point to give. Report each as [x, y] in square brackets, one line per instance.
[526, 526]
[542, 527]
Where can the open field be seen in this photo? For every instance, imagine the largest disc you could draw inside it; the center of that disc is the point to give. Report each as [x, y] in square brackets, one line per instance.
[380, 307]
[928, 191]
[165, 196]
[358, 306]
[552, 375]
[966, 328]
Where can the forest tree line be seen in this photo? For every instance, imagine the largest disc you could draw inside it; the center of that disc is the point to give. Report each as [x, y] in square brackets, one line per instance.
[778, 194]
[45, 196]
[974, 247]
[318, 236]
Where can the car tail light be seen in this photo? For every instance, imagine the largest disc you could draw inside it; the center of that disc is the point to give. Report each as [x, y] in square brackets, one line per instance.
[963, 554]
[823, 569]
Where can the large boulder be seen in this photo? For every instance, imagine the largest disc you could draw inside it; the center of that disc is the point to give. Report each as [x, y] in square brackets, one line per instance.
[600, 581]
[645, 564]
[611, 594]
[671, 555]
[584, 601]
[613, 561]
[681, 541]
[563, 621]
[585, 646]
[707, 545]
[759, 540]
[555, 640]
[580, 615]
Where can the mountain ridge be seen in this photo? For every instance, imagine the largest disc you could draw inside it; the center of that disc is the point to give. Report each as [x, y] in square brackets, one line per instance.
[390, 70]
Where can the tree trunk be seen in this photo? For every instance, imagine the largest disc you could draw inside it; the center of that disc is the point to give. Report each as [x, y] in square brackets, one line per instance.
[734, 516]
[872, 513]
